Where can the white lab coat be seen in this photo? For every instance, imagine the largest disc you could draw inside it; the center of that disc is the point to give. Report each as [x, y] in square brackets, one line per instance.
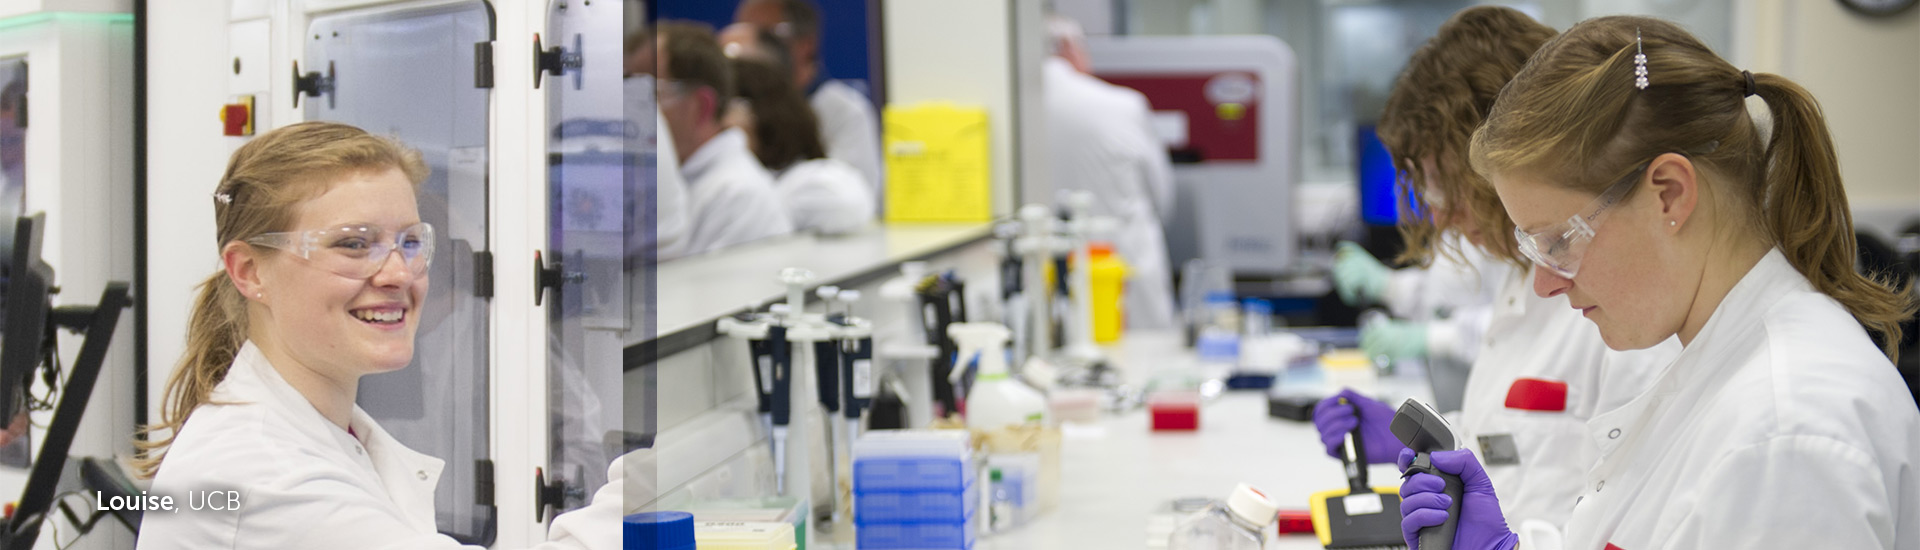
[1099, 142]
[1780, 426]
[304, 483]
[850, 130]
[826, 196]
[732, 195]
[1453, 296]
[1544, 340]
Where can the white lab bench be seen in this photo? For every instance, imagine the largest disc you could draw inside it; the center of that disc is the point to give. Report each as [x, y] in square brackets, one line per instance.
[697, 290]
[1117, 472]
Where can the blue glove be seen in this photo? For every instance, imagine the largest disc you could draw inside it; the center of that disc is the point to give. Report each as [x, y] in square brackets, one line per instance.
[1336, 420]
[1423, 504]
[1395, 339]
[1357, 276]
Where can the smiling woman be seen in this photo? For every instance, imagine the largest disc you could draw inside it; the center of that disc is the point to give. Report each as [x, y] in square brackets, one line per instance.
[305, 173]
[325, 267]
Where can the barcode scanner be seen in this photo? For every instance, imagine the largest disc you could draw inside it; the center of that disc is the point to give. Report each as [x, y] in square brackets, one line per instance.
[1422, 429]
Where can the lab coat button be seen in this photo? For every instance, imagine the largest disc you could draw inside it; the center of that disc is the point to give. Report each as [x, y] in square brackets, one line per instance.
[1598, 486]
[359, 451]
[422, 474]
[1615, 434]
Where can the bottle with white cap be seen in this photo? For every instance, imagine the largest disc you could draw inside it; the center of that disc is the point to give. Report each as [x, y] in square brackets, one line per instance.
[1237, 524]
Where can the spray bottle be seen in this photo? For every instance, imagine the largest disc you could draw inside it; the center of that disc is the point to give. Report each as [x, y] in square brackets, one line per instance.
[995, 400]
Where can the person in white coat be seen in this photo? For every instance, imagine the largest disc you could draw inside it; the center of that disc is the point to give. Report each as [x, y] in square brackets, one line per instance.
[1099, 141]
[731, 194]
[1539, 371]
[849, 124]
[325, 263]
[821, 194]
[1669, 214]
[1439, 313]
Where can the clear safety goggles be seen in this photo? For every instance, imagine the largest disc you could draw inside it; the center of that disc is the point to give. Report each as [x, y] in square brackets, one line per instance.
[356, 251]
[1560, 246]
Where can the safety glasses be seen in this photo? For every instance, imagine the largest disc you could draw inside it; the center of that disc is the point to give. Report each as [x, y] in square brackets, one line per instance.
[356, 251]
[1559, 247]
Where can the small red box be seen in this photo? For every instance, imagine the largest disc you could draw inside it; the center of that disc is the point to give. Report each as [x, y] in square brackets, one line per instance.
[1175, 410]
[1294, 522]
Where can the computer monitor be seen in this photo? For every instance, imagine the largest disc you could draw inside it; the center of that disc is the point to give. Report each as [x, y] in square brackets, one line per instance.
[26, 301]
[25, 344]
[1378, 194]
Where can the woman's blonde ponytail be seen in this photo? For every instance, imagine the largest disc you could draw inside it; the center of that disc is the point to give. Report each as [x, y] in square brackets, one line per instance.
[215, 331]
[1806, 212]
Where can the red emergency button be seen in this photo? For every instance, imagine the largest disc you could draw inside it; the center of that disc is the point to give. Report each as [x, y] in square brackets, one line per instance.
[237, 117]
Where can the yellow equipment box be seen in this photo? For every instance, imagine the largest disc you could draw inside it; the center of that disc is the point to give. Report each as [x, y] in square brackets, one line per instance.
[938, 166]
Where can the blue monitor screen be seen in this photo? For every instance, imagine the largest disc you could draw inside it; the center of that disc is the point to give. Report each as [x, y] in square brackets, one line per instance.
[1377, 190]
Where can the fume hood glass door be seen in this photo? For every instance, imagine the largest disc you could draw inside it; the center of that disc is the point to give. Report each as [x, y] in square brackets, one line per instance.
[589, 214]
[409, 73]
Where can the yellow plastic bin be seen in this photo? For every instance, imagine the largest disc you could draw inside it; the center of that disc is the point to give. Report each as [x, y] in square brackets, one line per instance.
[1109, 285]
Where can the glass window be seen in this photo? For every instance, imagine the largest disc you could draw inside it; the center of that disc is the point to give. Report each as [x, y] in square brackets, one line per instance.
[591, 208]
[409, 73]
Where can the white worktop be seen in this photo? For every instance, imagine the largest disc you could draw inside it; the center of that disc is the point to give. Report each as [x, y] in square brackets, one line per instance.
[1116, 473]
[699, 289]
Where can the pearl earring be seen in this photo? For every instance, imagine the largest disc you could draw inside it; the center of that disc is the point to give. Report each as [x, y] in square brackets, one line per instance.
[1671, 223]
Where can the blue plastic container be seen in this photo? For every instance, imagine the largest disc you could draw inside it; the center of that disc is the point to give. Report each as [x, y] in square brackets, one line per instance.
[658, 531]
[912, 474]
[915, 506]
[917, 536]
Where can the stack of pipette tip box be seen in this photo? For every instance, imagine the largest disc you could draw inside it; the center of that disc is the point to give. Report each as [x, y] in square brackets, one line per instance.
[915, 489]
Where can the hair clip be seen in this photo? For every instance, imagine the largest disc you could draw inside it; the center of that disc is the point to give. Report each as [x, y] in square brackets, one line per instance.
[1639, 62]
[223, 198]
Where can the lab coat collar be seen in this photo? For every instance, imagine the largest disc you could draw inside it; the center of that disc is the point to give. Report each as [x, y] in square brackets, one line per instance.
[1515, 295]
[1055, 64]
[1057, 69]
[1732, 333]
[819, 79]
[408, 476]
[713, 154]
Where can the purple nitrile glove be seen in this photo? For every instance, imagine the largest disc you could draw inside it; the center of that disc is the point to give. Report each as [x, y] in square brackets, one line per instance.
[1335, 420]
[1423, 504]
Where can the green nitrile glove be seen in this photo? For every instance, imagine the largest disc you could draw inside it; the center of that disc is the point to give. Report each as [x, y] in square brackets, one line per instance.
[1395, 339]
[1357, 276]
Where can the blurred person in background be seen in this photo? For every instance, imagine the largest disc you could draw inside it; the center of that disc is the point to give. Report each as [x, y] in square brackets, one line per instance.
[821, 194]
[731, 194]
[1100, 140]
[849, 125]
